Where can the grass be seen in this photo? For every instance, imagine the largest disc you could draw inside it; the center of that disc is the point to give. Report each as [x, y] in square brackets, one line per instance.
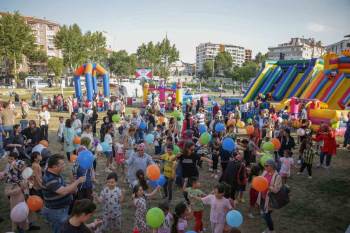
[320, 205]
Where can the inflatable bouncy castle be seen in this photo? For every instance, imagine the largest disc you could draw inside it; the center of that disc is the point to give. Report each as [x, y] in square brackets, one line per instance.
[91, 72]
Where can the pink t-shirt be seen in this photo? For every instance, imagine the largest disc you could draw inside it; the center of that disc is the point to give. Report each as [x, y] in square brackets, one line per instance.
[181, 224]
[219, 208]
[286, 163]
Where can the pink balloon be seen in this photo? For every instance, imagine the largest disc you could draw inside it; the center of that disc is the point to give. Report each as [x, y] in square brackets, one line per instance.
[20, 212]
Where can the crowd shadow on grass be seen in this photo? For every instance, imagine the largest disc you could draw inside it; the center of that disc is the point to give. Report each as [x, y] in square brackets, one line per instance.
[323, 207]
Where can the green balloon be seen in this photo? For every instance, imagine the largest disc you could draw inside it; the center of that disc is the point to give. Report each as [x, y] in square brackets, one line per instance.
[205, 138]
[116, 118]
[176, 150]
[155, 217]
[268, 146]
[176, 114]
[264, 158]
[249, 120]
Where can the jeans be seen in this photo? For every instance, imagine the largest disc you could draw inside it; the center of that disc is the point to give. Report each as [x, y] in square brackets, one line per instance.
[157, 150]
[328, 158]
[268, 220]
[168, 188]
[139, 135]
[1, 148]
[8, 130]
[44, 131]
[55, 217]
[346, 138]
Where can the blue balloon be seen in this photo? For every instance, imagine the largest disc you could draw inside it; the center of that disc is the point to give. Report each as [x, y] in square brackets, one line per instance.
[191, 232]
[202, 128]
[161, 181]
[105, 146]
[153, 183]
[228, 144]
[85, 159]
[149, 138]
[234, 218]
[219, 127]
[143, 125]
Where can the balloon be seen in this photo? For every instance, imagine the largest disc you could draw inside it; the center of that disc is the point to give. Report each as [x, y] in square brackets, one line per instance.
[219, 127]
[228, 144]
[234, 218]
[27, 173]
[153, 172]
[99, 148]
[205, 138]
[264, 158]
[161, 181]
[202, 128]
[105, 146]
[153, 183]
[143, 125]
[250, 129]
[116, 118]
[35, 203]
[76, 140]
[268, 146]
[149, 138]
[155, 217]
[300, 132]
[231, 122]
[191, 232]
[280, 120]
[336, 125]
[176, 150]
[260, 183]
[85, 159]
[73, 158]
[20, 212]
[176, 114]
[249, 120]
[276, 143]
[240, 124]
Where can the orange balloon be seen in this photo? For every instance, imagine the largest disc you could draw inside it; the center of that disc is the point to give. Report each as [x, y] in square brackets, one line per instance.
[76, 140]
[73, 158]
[260, 183]
[276, 143]
[250, 129]
[153, 172]
[35, 203]
[231, 122]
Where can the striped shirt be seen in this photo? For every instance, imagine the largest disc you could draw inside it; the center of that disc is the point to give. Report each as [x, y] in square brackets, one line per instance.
[52, 183]
[308, 156]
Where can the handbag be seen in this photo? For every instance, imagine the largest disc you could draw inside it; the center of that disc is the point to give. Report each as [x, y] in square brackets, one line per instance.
[279, 199]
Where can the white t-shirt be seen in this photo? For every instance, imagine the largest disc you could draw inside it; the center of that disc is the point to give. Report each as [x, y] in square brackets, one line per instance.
[286, 164]
[109, 140]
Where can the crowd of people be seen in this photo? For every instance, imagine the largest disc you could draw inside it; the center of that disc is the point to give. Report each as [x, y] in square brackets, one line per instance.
[130, 144]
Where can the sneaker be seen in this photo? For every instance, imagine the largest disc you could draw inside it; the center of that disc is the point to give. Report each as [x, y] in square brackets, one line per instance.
[299, 173]
[250, 215]
[310, 177]
[242, 200]
[299, 161]
[216, 176]
[34, 228]
[319, 165]
[108, 170]
[266, 231]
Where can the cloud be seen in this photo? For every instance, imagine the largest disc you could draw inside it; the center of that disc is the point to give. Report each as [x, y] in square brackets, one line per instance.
[316, 27]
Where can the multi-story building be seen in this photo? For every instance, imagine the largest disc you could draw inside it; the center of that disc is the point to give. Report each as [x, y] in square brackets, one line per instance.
[180, 68]
[248, 55]
[297, 49]
[208, 51]
[338, 47]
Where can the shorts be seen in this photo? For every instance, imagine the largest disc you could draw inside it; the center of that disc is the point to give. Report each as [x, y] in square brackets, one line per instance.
[242, 187]
[108, 154]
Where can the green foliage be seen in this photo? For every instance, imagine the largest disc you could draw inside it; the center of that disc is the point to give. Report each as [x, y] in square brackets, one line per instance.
[120, 63]
[35, 57]
[56, 66]
[260, 58]
[208, 69]
[96, 46]
[223, 63]
[16, 40]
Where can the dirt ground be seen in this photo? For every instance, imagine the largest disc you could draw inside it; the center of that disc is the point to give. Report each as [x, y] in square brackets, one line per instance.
[318, 205]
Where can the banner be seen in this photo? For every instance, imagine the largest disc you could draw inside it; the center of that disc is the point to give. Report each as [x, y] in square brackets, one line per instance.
[144, 73]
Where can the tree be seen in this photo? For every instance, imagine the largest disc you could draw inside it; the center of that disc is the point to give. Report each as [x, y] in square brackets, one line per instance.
[16, 40]
[96, 46]
[261, 58]
[56, 66]
[73, 45]
[36, 58]
[223, 63]
[208, 67]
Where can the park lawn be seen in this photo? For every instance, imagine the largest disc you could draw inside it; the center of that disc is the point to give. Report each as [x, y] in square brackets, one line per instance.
[319, 205]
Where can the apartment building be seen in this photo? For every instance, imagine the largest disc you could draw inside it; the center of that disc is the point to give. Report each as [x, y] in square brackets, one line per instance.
[248, 55]
[339, 46]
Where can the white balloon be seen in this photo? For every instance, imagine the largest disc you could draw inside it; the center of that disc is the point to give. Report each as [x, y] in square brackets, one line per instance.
[27, 173]
[300, 132]
[20, 212]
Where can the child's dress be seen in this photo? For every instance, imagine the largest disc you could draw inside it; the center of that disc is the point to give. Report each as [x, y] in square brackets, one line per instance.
[140, 214]
[286, 163]
[111, 209]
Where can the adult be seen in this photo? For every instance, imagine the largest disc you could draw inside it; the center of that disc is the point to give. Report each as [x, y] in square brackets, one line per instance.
[82, 211]
[76, 123]
[68, 135]
[57, 195]
[274, 184]
[129, 142]
[93, 120]
[32, 134]
[8, 117]
[24, 108]
[70, 105]
[347, 131]
[287, 142]
[136, 120]
[16, 142]
[44, 117]
[139, 161]
[329, 145]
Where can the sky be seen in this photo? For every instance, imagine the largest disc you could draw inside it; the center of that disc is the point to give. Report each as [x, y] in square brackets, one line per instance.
[253, 24]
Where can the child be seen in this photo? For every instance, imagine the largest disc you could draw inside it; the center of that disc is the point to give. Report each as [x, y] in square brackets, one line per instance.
[158, 140]
[120, 157]
[111, 196]
[169, 171]
[37, 174]
[216, 145]
[109, 152]
[253, 194]
[180, 218]
[219, 207]
[196, 205]
[286, 163]
[60, 129]
[307, 159]
[166, 227]
[141, 207]
[81, 212]
[141, 180]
